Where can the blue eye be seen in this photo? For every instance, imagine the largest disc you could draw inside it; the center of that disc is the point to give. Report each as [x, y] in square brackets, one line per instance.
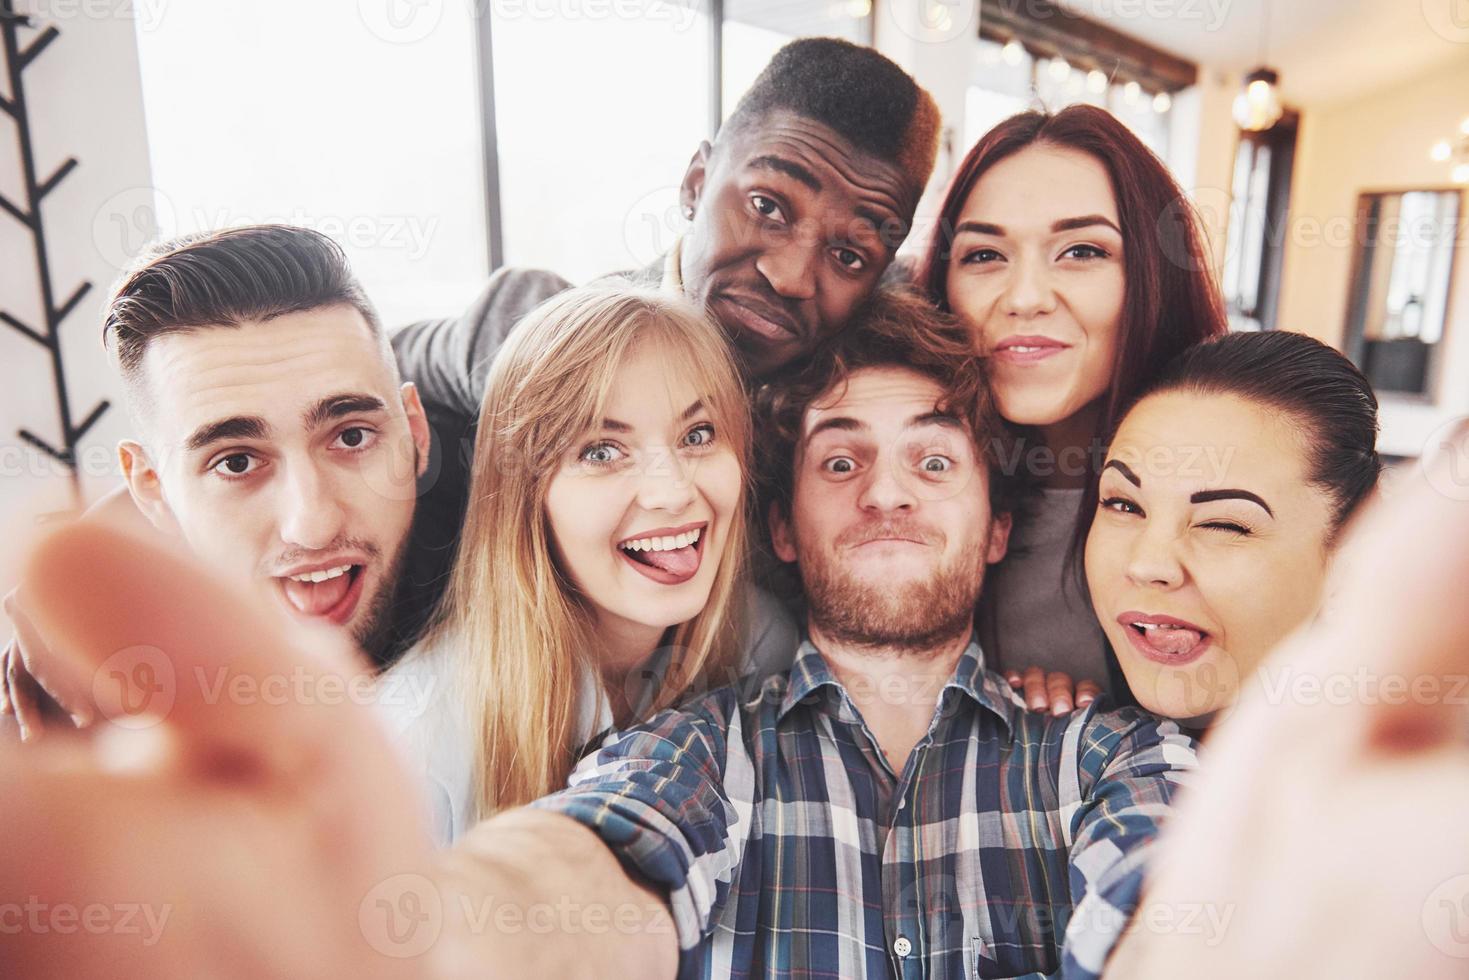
[601, 454]
[700, 435]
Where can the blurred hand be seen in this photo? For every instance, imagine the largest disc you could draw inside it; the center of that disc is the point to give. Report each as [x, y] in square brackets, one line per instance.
[205, 830]
[1052, 691]
[1328, 832]
[32, 693]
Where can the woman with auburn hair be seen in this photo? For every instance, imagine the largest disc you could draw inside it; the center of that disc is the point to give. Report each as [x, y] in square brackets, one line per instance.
[1080, 268]
[600, 573]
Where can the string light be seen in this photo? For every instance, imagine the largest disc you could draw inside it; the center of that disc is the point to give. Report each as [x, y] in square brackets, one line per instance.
[1012, 53]
[1162, 102]
[1096, 82]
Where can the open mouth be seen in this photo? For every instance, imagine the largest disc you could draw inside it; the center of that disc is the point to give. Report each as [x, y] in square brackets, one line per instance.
[329, 593]
[670, 556]
[1165, 640]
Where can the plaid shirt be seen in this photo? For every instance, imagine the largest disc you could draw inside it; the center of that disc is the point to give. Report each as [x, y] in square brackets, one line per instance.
[1011, 844]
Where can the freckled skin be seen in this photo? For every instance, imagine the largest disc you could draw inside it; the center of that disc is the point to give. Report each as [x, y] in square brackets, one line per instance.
[808, 256]
[1176, 558]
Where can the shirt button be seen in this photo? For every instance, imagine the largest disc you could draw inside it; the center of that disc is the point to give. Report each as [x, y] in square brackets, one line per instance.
[902, 946]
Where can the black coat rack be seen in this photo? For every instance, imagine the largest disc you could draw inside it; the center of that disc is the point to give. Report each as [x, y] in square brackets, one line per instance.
[18, 58]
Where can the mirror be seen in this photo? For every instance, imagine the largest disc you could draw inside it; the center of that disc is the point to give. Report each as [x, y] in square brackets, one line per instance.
[1398, 303]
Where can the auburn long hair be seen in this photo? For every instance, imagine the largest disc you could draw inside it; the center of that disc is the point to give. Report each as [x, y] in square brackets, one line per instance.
[1171, 299]
[512, 613]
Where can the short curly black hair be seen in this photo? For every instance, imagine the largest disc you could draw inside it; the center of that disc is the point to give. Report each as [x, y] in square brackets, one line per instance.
[857, 92]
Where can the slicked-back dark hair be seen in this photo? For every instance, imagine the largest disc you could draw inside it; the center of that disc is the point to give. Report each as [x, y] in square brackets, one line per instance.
[1310, 384]
[854, 90]
[224, 279]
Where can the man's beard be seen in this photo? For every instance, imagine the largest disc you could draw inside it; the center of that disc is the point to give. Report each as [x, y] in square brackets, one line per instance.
[371, 634]
[914, 618]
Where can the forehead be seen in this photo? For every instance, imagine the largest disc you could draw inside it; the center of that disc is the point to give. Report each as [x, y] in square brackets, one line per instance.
[649, 388]
[1195, 440]
[271, 369]
[850, 178]
[880, 398]
[1040, 184]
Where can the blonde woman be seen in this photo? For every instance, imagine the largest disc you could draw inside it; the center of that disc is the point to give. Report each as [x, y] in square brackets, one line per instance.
[599, 576]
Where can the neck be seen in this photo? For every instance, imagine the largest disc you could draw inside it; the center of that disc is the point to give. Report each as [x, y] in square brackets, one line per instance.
[1070, 444]
[896, 689]
[625, 648]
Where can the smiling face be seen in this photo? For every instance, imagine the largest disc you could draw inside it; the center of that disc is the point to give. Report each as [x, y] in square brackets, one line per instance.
[641, 509]
[890, 519]
[1036, 269]
[1209, 546]
[792, 229]
[285, 452]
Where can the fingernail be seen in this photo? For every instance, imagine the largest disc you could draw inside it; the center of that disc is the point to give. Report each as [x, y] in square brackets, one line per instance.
[1060, 708]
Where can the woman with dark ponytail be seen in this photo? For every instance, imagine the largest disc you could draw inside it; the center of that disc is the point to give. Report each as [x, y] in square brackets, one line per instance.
[1218, 510]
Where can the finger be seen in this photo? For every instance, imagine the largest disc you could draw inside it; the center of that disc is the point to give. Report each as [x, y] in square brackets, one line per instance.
[1034, 682]
[21, 696]
[1058, 691]
[165, 641]
[1087, 692]
[1013, 679]
[1397, 613]
[51, 683]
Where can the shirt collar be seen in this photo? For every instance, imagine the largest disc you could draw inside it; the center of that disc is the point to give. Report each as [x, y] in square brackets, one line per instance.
[810, 672]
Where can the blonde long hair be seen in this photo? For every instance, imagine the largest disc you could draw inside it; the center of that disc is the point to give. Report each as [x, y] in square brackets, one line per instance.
[525, 631]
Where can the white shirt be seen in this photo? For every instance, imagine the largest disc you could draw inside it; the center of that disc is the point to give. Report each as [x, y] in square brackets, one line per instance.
[430, 721]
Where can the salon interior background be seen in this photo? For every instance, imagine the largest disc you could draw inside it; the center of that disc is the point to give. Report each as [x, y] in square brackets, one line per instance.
[439, 139]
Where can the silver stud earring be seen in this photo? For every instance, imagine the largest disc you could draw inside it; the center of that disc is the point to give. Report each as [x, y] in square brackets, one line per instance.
[688, 211]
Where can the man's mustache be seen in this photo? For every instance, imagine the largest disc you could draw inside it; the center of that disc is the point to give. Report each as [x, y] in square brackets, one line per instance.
[858, 536]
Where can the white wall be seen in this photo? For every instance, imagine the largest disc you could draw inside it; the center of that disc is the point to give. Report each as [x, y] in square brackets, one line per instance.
[1379, 142]
[85, 101]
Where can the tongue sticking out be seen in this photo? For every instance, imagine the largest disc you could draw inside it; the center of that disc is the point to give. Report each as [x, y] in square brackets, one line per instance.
[1172, 642]
[317, 598]
[681, 561]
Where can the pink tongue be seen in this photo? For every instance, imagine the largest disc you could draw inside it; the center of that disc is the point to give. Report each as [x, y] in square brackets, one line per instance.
[680, 561]
[1172, 641]
[316, 598]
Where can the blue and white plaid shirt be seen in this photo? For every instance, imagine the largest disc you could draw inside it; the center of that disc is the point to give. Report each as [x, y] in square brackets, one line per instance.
[1012, 844]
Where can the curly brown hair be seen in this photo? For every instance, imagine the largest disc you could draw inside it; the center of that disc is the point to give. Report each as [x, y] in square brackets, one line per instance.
[895, 328]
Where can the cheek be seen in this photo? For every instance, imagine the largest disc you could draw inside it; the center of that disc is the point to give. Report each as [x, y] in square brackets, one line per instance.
[971, 298]
[583, 513]
[1098, 309]
[1264, 601]
[718, 480]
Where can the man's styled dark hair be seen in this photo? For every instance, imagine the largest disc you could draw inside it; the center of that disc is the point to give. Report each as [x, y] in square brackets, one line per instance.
[224, 279]
[854, 90]
[896, 328]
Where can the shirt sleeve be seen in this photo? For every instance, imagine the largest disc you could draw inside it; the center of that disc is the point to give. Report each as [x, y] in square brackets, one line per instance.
[673, 800]
[449, 359]
[1128, 766]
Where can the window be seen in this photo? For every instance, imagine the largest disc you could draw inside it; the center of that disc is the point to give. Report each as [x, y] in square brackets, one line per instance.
[272, 110]
[596, 118]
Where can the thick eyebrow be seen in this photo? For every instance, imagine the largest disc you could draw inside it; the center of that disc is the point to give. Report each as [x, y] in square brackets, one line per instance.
[842, 423]
[1125, 470]
[613, 425]
[336, 406]
[1204, 496]
[935, 418]
[788, 167]
[1065, 224]
[235, 427]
